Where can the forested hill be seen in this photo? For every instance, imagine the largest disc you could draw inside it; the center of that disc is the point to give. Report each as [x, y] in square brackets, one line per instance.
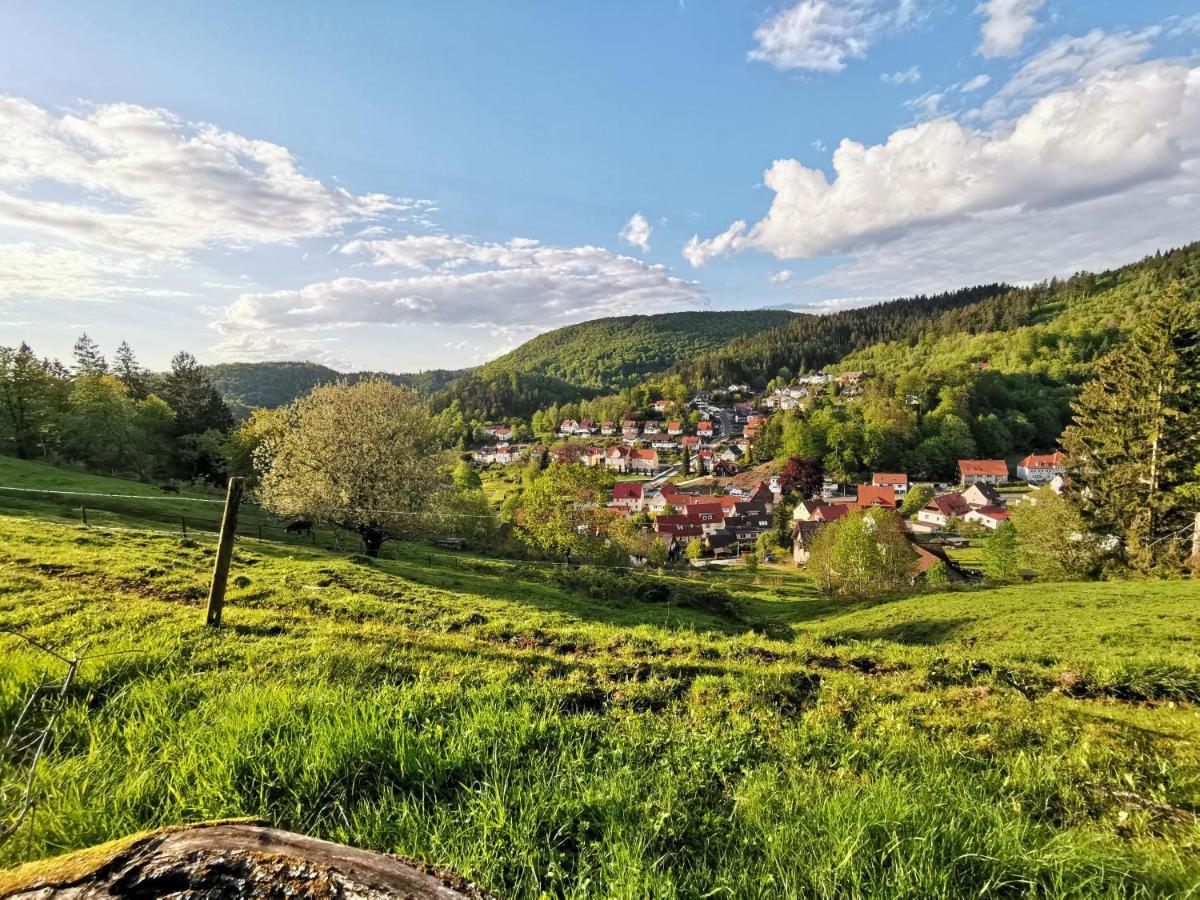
[248, 385]
[597, 357]
[1054, 330]
[607, 354]
[806, 343]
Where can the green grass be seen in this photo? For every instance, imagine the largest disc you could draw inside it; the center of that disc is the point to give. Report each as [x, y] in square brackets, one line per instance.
[1037, 739]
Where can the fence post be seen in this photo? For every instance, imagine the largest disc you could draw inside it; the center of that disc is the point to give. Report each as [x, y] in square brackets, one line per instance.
[183, 525]
[216, 593]
[83, 514]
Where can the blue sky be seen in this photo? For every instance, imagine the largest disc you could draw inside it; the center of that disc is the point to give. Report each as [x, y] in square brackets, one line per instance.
[363, 184]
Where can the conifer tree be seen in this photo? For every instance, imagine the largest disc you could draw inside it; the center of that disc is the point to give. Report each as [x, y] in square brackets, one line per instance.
[132, 375]
[88, 358]
[1135, 443]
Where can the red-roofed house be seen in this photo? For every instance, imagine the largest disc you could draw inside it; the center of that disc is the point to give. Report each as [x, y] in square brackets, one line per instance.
[987, 516]
[675, 427]
[942, 508]
[679, 526]
[627, 494]
[704, 429]
[690, 441]
[661, 405]
[985, 471]
[829, 512]
[1038, 469]
[869, 495]
[607, 428]
[568, 426]
[896, 481]
[630, 459]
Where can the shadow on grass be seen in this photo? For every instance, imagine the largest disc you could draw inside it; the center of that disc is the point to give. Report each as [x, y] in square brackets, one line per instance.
[917, 633]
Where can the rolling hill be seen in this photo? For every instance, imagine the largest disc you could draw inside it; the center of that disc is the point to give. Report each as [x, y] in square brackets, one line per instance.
[246, 386]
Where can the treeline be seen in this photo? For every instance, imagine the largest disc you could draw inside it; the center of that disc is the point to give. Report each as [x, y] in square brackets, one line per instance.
[118, 417]
[247, 386]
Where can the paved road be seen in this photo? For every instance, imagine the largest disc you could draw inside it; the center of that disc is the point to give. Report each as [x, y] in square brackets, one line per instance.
[662, 476]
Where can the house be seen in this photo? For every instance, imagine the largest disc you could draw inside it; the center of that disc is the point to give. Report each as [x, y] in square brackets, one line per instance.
[987, 471]
[804, 535]
[607, 429]
[631, 459]
[664, 443]
[850, 384]
[942, 508]
[1038, 469]
[704, 460]
[691, 441]
[630, 435]
[869, 495]
[679, 526]
[506, 453]
[628, 495]
[804, 510]
[737, 389]
[1058, 484]
[704, 429]
[980, 494]
[928, 557]
[896, 481]
[987, 516]
[567, 427]
[652, 428]
[711, 516]
[730, 455]
[661, 405]
[587, 426]
[674, 428]
[829, 512]
[724, 469]
[628, 424]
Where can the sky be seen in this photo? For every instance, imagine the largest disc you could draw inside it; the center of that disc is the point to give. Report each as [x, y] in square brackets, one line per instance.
[403, 186]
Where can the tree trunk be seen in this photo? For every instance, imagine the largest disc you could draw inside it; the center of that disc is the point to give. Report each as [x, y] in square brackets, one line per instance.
[373, 537]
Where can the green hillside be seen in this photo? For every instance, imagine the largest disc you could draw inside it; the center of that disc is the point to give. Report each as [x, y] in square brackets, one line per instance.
[546, 734]
[1054, 330]
[246, 386]
[617, 352]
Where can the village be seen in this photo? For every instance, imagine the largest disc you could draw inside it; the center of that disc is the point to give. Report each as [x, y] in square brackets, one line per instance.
[686, 475]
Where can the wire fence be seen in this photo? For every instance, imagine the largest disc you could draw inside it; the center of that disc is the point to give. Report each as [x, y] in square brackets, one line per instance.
[122, 513]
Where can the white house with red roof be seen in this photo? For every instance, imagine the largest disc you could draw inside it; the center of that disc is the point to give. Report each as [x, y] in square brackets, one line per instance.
[631, 459]
[987, 516]
[1041, 468]
[942, 508]
[704, 429]
[897, 481]
[674, 427]
[628, 495]
[982, 471]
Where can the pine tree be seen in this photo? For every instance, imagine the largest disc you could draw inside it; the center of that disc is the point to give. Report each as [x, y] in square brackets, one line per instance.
[685, 461]
[88, 358]
[132, 375]
[1135, 441]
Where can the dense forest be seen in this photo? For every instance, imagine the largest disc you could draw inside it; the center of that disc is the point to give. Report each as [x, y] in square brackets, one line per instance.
[603, 356]
[247, 386]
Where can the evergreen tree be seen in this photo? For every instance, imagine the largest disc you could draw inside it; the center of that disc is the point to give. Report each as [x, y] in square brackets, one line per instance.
[132, 375]
[197, 404]
[88, 358]
[685, 461]
[1136, 438]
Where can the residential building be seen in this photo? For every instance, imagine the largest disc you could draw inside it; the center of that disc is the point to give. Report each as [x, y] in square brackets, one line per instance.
[987, 516]
[631, 459]
[674, 428]
[607, 429]
[869, 495]
[628, 494]
[898, 482]
[980, 494]
[1039, 469]
[986, 471]
[942, 508]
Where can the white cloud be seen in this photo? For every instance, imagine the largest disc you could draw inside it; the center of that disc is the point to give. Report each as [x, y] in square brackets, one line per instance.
[637, 232]
[783, 276]
[821, 35]
[911, 75]
[268, 347]
[146, 181]
[516, 285]
[1066, 62]
[1109, 134]
[974, 84]
[1006, 24]
[926, 106]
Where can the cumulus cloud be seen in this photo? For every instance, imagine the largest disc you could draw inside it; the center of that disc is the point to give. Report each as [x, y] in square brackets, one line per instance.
[911, 75]
[1109, 134]
[1006, 25]
[148, 181]
[1065, 62]
[521, 284]
[637, 232]
[266, 347]
[783, 276]
[821, 35]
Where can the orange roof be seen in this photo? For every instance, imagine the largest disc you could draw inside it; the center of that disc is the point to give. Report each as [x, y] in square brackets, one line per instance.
[1044, 461]
[889, 478]
[993, 467]
[674, 425]
[870, 495]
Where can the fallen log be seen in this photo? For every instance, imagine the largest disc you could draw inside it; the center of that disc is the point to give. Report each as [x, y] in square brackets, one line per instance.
[232, 860]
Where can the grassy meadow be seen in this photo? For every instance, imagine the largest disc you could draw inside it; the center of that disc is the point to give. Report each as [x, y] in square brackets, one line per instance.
[546, 734]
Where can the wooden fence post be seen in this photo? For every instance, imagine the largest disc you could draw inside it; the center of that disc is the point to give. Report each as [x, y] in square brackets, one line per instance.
[216, 593]
[83, 513]
[183, 525]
